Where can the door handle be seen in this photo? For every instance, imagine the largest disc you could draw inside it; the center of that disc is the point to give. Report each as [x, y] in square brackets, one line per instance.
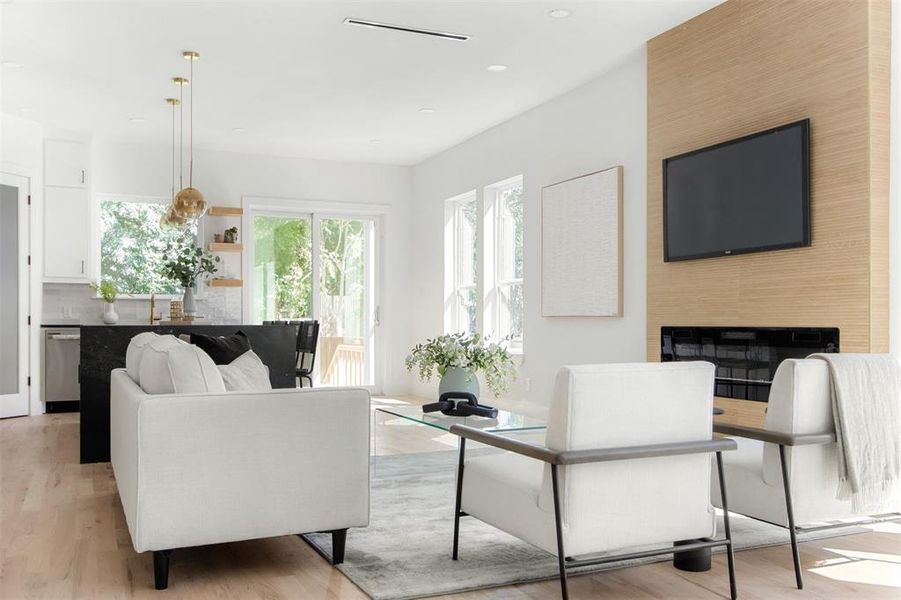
[82, 267]
[82, 175]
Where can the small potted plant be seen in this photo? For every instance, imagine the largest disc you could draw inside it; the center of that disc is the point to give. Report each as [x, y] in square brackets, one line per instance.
[107, 290]
[231, 235]
[457, 358]
[184, 264]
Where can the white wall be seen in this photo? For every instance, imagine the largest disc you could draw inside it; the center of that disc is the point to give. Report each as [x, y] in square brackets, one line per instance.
[895, 192]
[596, 126]
[226, 177]
[22, 153]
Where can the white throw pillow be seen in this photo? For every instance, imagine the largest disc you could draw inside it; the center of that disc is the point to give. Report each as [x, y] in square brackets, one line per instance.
[136, 350]
[178, 368]
[247, 373]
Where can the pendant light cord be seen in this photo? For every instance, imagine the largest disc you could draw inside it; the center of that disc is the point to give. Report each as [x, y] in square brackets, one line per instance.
[191, 132]
[172, 196]
[181, 132]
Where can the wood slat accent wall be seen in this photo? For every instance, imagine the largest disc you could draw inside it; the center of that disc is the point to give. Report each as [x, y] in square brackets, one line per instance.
[748, 65]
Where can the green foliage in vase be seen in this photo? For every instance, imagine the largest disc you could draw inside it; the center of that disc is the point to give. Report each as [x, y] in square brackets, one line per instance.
[106, 289]
[185, 262]
[474, 353]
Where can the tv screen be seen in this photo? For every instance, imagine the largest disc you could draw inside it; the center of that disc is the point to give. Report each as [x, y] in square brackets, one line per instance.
[744, 195]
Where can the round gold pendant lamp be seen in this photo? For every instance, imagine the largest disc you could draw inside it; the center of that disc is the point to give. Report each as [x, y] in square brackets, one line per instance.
[189, 202]
[170, 218]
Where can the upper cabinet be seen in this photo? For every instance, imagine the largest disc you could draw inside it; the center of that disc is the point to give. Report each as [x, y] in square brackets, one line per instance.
[66, 163]
[68, 220]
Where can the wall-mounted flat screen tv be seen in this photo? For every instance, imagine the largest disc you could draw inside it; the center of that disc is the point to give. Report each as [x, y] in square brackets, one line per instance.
[745, 195]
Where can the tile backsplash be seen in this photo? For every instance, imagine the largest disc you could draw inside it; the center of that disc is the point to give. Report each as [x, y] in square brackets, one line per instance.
[75, 303]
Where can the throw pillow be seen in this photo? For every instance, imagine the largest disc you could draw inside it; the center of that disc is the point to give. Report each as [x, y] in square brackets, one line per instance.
[222, 349]
[178, 368]
[247, 373]
[136, 350]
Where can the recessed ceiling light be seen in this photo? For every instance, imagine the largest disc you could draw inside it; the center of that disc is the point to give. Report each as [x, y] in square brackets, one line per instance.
[375, 142]
[238, 130]
[497, 68]
[11, 64]
[25, 109]
[137, 120]
[426, 111]
[559, 13]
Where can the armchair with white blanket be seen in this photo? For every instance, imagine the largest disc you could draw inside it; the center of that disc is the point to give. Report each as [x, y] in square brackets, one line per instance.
[789, 472]
[626, 464]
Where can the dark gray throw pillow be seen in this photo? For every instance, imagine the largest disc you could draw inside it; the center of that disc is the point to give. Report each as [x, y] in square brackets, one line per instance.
[223, 349]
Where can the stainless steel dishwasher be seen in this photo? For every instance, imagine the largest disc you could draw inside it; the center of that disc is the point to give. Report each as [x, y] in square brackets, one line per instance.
[62, 349]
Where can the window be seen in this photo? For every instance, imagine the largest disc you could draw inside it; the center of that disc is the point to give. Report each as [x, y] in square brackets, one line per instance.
[484, 263]
[283, 271]
[509, 262]
[461, 264]
[133, 245]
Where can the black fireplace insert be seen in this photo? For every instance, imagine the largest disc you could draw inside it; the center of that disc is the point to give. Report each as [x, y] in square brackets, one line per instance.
[746, 358]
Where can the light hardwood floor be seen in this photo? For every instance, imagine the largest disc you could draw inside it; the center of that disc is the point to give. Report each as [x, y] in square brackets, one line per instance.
[63, 535]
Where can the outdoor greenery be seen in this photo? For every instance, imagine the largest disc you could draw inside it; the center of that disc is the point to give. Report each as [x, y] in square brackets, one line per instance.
[133, 246]
[184, 262]
[471, 352]
[283, 261]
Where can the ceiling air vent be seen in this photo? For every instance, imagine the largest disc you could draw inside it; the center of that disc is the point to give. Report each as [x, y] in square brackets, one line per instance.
[459, 37]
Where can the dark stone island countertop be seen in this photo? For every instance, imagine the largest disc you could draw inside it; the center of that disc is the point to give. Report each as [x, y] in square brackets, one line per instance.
[103, 349]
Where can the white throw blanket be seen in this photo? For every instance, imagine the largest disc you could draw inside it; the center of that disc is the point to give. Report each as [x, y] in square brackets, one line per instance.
[866, 407]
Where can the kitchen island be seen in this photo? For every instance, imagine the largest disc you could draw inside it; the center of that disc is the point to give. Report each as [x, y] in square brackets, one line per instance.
[103, 349]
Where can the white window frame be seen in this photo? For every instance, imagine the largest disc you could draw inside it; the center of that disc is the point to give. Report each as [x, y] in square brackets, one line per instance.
[97, 236]
[493, 256]
[454, 287]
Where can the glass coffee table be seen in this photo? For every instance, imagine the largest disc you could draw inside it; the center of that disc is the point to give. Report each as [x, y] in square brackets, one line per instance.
[506, 422]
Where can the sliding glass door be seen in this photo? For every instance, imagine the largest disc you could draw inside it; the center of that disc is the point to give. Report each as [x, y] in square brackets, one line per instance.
[312, 266]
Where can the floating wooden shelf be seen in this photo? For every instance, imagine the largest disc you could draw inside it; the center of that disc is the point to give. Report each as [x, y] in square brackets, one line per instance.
[223, 247]
[225, 211]
[225, 282]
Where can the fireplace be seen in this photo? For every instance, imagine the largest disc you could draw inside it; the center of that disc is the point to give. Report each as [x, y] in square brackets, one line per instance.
[746, 358]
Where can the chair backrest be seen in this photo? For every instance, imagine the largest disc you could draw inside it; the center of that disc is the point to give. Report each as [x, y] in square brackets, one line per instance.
[307, 338]
[627, 503]
[801, 402]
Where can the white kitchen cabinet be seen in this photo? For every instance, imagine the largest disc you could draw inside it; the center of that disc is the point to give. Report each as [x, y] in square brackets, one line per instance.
[67, 234]
[66, 163]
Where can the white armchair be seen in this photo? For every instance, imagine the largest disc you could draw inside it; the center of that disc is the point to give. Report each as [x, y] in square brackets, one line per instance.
[208, 468]
[627, 464]
[787, 473]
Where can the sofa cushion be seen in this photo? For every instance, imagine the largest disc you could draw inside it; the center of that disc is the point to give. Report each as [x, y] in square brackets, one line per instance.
[221, 348]
[177, 368]
[136, 350]
[247, 373]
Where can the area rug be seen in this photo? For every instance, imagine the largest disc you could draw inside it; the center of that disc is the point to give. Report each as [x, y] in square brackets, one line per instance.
[406, 550]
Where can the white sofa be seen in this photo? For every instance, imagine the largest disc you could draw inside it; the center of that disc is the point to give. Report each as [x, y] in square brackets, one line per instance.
[207, 468]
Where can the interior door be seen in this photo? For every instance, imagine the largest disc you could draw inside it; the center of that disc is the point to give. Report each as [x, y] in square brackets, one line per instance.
[13, 295]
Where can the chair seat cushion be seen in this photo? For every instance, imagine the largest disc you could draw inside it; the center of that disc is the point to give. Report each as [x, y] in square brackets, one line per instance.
[750, 495]
[503, 490]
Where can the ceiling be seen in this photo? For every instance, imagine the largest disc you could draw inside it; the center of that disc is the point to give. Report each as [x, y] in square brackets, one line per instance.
[291, 79]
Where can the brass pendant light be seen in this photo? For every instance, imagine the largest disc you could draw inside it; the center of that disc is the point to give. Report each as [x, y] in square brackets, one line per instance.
[189, 202]
[170, 218]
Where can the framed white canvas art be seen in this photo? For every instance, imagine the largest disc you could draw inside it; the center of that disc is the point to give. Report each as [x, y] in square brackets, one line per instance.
[582, 246]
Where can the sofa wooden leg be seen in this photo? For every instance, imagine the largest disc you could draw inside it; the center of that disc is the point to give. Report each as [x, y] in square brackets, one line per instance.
[339, 540]
[161, 568]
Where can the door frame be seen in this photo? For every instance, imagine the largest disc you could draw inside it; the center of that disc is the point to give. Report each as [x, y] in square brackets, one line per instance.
[376, 214]
[24, 287]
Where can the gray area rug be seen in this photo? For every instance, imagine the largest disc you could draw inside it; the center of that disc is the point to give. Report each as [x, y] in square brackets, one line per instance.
[406, 550]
